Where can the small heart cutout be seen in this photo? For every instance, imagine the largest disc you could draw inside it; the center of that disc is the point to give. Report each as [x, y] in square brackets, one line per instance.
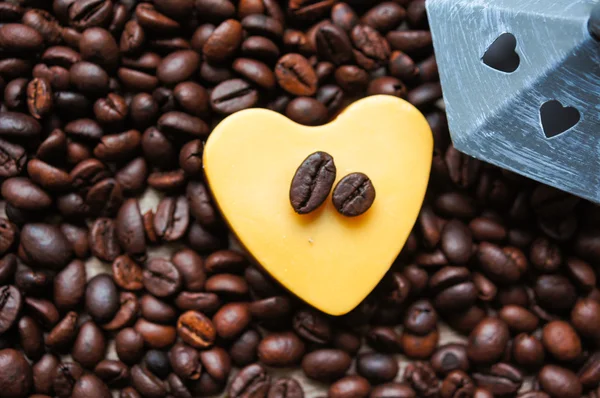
[501, 55]
[327, 259]
[557, 119]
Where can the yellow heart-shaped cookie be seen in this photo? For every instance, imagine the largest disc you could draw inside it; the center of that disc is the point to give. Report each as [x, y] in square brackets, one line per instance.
[330, 261]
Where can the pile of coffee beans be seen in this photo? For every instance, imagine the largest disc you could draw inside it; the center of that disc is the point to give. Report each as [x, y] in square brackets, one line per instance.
[102, 100]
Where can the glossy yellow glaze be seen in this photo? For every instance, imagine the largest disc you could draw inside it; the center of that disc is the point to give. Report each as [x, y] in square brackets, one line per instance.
[330, 261]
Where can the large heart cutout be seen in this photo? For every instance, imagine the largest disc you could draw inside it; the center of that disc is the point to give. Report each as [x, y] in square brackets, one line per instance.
[557, 119]
[329, 260]
[501, 55]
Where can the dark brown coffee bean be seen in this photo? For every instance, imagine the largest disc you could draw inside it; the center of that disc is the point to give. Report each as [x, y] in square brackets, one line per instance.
[376, 367]
[66, 375]
[97, 45]
[61, 336]
[450, 357]
[195, 329]
[69, 286]
[387, 85]
[255, 71]
[487, 341]
[190, 158]
[353, 195]
[326, 365]
[185, 361]
[555, 293]
[518, 319]
[161, 277]
[333, 44]
[501, 379]
[155, 310]
[307, 111]
[113, 373]
[8, 267]
[18, 125]
[527, 351]
[251, 381]
[585, 318]
[179, 124]
[8, 235]
[178, 67]
[453, 289]
[102, 298]
[422, 379]
[400, 390]
[260, 48]
[233, 95]
[384, 339]
[149, 18]
[172, 218]
[43, 373]
[84, 129]
[105, 197]
[409, 40]
[281, 349]
[223, 42]
[295, 75]
[45, 246]
[419, 346]
[20, 39]
[10, 307]
[148, 384]
[89, 346]
[137, 80]
[103, 240]
[457, 242]
[371, 49]
[351, 78]
[130, 229]
[16, 373]
[243, 350]
[48, 176]
[22, 193]
[13, 159]
[457, 383]
[384, 17]
[15, 94]
[231, 320]
[227, 285]
[32, 282]
[155, 335]
[559, 382]
[132, 39]
[501, 265]
[118, 147]
[562, 341]
[129, 345]
[132, 177]
[350, 386]
[157, 362]
[312, 182]
[127, 313]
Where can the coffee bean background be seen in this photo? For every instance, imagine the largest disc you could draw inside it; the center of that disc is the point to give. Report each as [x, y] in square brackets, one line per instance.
[118, 273]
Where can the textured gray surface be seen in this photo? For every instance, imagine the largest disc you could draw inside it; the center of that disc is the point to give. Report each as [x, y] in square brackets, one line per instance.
[495, 116]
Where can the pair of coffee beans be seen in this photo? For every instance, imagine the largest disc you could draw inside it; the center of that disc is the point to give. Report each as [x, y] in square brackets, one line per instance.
[352, 196]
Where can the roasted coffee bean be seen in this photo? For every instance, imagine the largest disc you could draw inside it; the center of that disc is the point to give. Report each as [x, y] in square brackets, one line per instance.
[400, 390]
[223, 42]
[70, 286]
[457, 383]
[559, 382]
[233, 95]
[353, 195]
[545, 256]
[419, 346]
[155, 310]
[105, 197]
[326, 365]
[195, 329]
[44, 245]
[312, 182]
[185, 362]
[307, 111]
[179, 124]
[43, 373]
[501, 265]
[255, 71]
[16, 379]
[251, 381]
[33, 283]
[350, 386]
[501, 379]
[172, 218]
[114, 373]
[48, 176]
[244, 350]
[155, 335]
[281, 349]
[89, 346]
[449, 357]
[13, 159]
[488, 341]
[161, 277]
[555, 293]
[148, 384]
[118, 147]
[20, 39]
[518, 319]
[562, 341]
[130, 229]
[127, 274]
[39, 97]
[585, 317]
[62, 335]
[22, 193]
[216, 363]
[333, 44]
[8, 267]
[129, 345]
[132, 177]
[127, 313]
[8, 235]
[66, 375]
[351, 78]
[422, 379]
[102, 298]
[453, 289]
[31, 338]
[231, 320]
[157, 362]
[376, 367]
[387, 85]
[295, 75]
[260, 48]
[103, 240]
[527, 351]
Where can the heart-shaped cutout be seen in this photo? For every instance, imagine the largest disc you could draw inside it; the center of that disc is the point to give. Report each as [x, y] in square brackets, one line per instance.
[501, 55]
[557, 119]
[327, 259]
